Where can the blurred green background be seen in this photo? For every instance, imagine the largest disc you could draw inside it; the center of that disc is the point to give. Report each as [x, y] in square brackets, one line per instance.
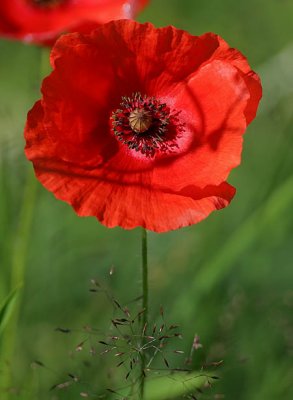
[228, 279]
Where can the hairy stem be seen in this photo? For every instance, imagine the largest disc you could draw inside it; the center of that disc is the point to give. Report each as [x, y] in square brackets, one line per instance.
[145, 300]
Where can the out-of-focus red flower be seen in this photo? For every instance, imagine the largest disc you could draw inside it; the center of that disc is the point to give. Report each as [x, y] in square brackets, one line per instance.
[141, 126]
[42, 21]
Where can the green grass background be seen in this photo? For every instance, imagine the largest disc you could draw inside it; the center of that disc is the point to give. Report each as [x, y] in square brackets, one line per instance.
[228, 279]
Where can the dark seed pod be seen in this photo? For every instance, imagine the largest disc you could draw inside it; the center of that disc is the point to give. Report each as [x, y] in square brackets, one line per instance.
[140, 120]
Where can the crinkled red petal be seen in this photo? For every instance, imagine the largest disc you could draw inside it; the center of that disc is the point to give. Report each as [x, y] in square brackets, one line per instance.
[252, 80]
[214, 101]
[115, 203]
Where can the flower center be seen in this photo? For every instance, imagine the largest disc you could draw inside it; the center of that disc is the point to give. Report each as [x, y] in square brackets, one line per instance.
[140, 120]
[145, 124]
[46, 3]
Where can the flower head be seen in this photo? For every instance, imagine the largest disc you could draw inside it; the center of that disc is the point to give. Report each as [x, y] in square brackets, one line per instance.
[141, 126]
[42, 21]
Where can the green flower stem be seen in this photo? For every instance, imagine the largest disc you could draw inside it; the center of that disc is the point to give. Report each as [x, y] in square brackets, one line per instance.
[145, 306]
[145, 288]
[22, 242]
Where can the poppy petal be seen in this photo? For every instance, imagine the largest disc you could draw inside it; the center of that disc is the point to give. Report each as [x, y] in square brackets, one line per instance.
[213, 101]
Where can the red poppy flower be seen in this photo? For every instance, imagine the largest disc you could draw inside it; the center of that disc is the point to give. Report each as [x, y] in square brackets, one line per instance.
[42, 21]
[141, 126]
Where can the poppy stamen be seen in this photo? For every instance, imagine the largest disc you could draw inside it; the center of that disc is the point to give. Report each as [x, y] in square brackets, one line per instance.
[144, 124]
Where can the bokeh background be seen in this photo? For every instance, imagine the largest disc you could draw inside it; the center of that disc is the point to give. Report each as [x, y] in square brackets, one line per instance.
[228, 279]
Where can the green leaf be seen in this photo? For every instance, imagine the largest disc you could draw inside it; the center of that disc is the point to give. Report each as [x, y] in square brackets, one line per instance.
[7, 307]
[174, 385]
